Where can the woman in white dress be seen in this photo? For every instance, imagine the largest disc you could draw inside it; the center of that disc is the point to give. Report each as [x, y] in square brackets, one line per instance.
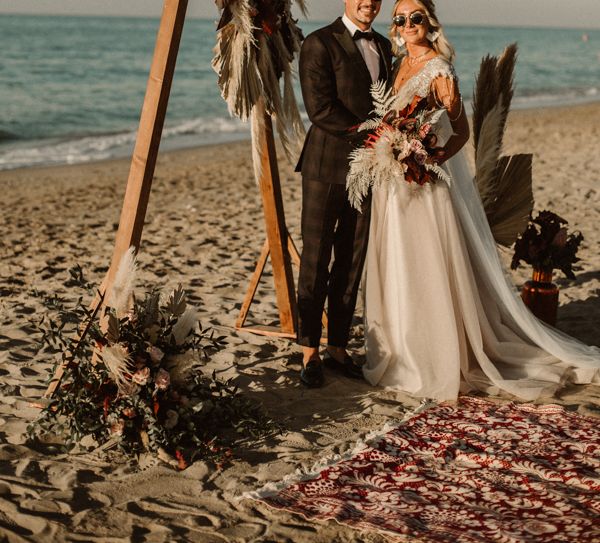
[441, 316]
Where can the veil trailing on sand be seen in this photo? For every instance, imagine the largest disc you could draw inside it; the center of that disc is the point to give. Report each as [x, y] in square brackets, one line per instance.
[569, 360]
[492, 211]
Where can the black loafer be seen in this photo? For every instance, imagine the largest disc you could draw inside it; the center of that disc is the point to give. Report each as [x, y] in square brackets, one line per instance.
[311, 375]
[348, 367]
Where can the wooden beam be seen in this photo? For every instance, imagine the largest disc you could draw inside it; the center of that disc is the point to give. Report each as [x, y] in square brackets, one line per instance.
[251, 292]
[149, 134]
[143, 162]
[254, 280]
[277, 234]
[294, 253]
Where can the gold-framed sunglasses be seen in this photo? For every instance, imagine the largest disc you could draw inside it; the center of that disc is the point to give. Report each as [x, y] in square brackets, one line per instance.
[416, 18]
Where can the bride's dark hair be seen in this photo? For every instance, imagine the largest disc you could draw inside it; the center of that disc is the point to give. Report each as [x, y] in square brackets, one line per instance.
[440, 44]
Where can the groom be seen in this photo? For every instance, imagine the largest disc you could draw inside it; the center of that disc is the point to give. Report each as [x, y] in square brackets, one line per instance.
[338, 64]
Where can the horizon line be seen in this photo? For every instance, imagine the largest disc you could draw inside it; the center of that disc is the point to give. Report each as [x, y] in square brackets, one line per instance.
[315, 21]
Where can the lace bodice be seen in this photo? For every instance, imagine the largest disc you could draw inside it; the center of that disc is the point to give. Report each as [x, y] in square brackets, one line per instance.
[420, 84]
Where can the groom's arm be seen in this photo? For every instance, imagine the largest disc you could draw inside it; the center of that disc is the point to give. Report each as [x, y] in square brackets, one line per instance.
[319, 91]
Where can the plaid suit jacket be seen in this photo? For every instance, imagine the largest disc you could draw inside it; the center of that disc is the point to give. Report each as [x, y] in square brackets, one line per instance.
[336, 85]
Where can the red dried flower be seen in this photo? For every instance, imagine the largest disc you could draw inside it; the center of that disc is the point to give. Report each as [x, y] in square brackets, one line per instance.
[181, 461]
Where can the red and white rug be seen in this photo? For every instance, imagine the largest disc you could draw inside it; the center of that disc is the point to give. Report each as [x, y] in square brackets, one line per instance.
[469, 472]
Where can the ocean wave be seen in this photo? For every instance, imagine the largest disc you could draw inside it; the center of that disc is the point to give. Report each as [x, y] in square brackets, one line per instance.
[19, 153]
[556, 97]
[218, 125]
[8, 136]
[77, 150]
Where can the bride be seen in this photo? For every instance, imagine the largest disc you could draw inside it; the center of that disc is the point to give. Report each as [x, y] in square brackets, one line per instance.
[440, 315]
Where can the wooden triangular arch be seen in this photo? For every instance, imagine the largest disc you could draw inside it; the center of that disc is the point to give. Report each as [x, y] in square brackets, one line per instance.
[278, 244]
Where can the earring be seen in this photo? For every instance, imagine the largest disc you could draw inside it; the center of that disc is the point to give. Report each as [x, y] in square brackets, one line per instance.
[432, 36]
[399, 41]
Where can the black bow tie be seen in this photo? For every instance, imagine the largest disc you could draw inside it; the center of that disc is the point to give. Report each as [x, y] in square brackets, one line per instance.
[360, 35]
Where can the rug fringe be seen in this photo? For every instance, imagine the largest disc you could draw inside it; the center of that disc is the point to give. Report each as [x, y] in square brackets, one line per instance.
[300, 475]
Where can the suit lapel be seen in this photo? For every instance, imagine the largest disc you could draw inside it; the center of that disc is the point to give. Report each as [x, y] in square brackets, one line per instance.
[341, 34]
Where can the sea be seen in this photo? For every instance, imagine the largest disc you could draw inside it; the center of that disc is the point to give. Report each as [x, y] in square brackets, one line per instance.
[71, 88]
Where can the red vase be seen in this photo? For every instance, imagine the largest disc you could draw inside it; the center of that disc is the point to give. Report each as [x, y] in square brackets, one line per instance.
[541, 296]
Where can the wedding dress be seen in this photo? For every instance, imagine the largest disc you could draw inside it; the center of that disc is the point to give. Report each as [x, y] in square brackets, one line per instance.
[441, 315]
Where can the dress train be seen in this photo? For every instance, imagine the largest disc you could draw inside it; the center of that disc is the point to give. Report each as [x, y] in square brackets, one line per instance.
[441, 315]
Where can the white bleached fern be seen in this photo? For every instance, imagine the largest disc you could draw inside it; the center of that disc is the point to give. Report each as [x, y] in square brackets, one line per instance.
[439, 172]
[360, 177]
[383, 100]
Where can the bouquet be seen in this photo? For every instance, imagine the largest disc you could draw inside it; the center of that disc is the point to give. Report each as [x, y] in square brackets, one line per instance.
[547, 245]
[399, 148]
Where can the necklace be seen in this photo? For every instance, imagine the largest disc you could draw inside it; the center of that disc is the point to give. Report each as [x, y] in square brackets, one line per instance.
[411, 61]
[407, 70]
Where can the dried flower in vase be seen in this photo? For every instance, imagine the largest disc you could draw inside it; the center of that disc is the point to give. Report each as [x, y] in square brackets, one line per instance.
[546, 245]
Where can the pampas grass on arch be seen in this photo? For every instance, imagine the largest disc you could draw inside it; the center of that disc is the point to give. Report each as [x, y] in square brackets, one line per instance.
[256, 45]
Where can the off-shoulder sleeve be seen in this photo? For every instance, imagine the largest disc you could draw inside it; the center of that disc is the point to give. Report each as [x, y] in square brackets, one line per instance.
[447, 95]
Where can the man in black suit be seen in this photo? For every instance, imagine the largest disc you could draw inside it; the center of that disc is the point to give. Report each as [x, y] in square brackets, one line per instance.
[338, 64]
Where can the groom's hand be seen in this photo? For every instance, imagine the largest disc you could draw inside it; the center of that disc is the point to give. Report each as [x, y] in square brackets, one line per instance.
[358, 137]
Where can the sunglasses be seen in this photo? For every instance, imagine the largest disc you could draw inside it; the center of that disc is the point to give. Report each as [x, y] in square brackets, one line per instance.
[416, 18]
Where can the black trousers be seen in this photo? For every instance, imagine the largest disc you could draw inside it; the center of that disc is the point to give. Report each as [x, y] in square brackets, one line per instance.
[330, 226]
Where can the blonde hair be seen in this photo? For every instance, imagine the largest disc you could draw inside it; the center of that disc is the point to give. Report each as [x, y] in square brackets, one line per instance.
[441, 45]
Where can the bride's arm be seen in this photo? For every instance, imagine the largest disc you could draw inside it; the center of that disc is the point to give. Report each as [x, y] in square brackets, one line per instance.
[446, 94]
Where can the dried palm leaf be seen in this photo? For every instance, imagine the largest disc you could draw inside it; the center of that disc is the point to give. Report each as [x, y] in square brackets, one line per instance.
[292, 116]
[283, 108]
[235, 61]
[504, 183]
[484, 96]
[487, 154]
[514, 198]
[185, 324]
[493, 85]
[505, 78]
[258, 128]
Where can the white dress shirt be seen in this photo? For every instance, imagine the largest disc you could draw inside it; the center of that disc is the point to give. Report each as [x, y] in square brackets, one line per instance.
[367, 48]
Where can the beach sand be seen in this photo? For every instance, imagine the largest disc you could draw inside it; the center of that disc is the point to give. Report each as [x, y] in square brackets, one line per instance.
[205, 230]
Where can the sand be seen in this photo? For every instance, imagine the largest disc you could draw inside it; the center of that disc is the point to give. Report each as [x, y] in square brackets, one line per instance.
[205, 230]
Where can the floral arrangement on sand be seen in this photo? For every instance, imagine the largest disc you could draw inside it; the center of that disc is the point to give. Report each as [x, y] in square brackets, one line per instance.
[133, 382]
[400, 146]
[546, 245]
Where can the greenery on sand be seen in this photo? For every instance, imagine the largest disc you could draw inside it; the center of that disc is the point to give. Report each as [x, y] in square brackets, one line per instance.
[127, 382]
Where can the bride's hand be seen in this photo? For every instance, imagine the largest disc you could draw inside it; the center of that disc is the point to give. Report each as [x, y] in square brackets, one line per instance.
[438, 156]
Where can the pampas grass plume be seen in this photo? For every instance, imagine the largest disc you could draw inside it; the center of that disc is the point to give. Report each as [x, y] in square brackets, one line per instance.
[121, 293]
[117, 361]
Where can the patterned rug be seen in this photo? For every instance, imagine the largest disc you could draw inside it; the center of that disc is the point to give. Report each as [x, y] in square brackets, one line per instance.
[469, 472]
